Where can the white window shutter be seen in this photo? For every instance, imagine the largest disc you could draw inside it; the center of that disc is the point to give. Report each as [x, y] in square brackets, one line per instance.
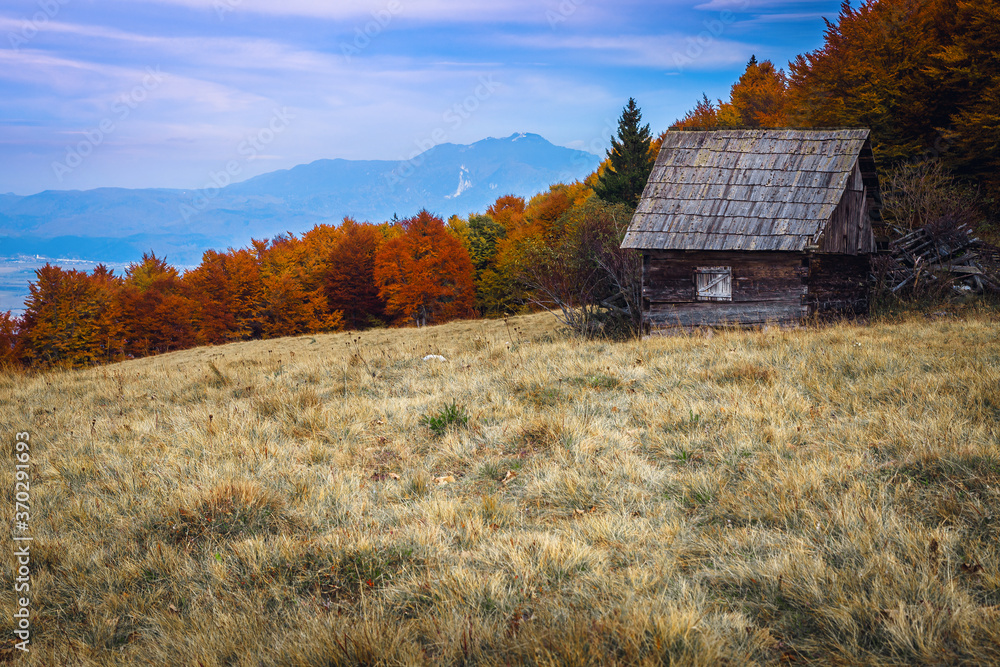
[714, 283]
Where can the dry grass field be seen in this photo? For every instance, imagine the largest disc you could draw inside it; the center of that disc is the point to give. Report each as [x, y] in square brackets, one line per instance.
[811, 496]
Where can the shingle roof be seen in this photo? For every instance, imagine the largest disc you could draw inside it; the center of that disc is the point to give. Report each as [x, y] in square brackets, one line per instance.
[746, 189]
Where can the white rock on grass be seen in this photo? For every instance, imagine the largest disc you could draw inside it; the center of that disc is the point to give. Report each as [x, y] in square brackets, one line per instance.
[434, 357]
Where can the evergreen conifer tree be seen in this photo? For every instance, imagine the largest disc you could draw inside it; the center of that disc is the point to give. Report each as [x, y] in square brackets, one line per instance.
[624, 179]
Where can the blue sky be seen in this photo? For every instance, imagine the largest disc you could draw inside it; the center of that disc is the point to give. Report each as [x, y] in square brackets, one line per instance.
[164, 93]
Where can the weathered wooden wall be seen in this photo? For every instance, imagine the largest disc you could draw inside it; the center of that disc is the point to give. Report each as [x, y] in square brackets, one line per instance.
[767, 287]
[838, 284]
[849, 230]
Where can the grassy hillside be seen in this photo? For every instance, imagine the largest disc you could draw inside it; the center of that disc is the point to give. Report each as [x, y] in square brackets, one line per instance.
[817, 495]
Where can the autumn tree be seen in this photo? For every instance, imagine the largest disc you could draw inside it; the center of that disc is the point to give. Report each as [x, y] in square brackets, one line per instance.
[60, 322]
[208, 285]
[580, 272]
[630, 160]
[227, 289]
[157, 314]
[349, 279]
[500, 287]
[425, 274]
[758, 98]
[109, 323]
[9, 340]
[508, 212]
[542, 214]
[965, 71]
[704, 116]
[293, 299]
[875, 70]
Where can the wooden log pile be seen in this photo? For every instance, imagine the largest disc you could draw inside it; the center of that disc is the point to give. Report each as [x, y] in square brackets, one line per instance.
[952, 259]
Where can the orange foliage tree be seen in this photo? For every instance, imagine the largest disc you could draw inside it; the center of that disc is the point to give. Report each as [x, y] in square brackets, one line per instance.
[157, 314]
[293, 301]
[109, 324]
[757, 99]
[9, 340]
[69, 318]
[227, 290]
[425, 274]
[508, 211]
[924, 75]
[210, 290]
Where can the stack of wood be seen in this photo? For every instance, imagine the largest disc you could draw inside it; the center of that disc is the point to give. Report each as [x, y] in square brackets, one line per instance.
[930, 255]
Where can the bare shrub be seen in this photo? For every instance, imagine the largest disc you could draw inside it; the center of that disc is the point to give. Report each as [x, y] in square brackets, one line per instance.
[926, 193]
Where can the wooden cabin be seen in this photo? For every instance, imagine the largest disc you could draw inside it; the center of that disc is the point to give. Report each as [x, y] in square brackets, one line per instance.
[756, 226]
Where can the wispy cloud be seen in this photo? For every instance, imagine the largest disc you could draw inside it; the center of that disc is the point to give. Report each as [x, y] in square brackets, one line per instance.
[765, 19]
[655, 52]
[426, 10]
[752, 5]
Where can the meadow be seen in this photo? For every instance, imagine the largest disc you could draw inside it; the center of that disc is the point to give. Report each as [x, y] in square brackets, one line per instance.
[821, 495]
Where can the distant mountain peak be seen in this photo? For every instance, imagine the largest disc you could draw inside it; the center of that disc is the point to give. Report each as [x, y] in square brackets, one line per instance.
[184, 223]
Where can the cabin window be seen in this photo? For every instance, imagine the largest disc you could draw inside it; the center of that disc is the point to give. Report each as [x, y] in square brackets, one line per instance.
[714, 283]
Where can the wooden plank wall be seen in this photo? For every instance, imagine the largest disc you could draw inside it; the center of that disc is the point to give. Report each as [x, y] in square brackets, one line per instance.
[849, 230]
[767, 287]
[838, 284]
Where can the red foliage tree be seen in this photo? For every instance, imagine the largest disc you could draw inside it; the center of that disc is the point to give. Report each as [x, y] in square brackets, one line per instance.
[425, 274]
[157, 314]
[349, 279]
[109, 331]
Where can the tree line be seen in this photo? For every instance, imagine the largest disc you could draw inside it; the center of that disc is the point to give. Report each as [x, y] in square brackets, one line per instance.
[423, 270]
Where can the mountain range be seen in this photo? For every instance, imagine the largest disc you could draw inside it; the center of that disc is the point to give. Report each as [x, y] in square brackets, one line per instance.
[118, 225]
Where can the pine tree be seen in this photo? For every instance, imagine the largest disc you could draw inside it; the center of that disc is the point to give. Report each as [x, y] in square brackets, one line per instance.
[630, 160]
